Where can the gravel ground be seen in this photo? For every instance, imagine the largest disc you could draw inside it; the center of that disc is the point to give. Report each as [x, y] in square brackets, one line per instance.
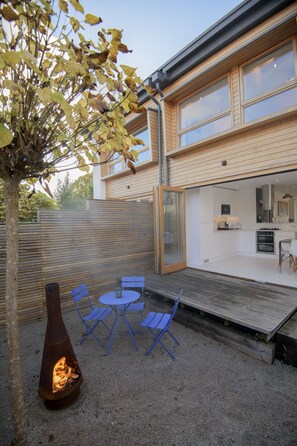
[211, 395]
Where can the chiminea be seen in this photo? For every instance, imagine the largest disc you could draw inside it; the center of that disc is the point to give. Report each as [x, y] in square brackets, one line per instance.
[60, 375]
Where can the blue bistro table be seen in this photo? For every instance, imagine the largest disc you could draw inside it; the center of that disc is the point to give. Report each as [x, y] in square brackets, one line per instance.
[120, 306]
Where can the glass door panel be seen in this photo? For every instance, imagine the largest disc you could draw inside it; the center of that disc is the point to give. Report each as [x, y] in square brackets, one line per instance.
[173, 227]
[170, 229]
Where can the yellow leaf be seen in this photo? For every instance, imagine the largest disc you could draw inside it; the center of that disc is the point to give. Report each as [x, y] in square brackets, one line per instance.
[11, 58]
[58, 97]
[77, 6]
[45, 95]
[9, 14]
[123, 48]
[5, 136]
[92, 19]
[74, 68]
[13, 87]
[63, 5]
[97, 59]
[75, 24]
[129, 71]
[116, 33]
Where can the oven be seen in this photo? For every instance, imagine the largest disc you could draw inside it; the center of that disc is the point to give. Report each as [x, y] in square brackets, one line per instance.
[265, 242]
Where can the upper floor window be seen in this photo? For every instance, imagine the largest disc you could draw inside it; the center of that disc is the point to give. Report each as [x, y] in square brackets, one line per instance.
[143, 151]
[206, 113]
[116, 164]
[269, 84]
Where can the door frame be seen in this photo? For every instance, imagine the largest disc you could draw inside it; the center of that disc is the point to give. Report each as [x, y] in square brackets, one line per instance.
[160, 267]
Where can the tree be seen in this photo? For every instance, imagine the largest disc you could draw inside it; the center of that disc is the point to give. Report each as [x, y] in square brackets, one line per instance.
[83, 187]
[63, 194]
[74, 195]
[28, 203]
[62, 97]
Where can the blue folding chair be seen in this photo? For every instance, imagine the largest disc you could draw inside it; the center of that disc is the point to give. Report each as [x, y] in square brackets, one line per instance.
[159, 324]
[133, 283]
[94, 316]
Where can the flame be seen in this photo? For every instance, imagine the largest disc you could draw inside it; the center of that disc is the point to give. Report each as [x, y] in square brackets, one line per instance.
[63, 375]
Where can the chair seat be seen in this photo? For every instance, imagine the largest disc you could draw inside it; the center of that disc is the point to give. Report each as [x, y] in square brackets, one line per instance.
[159, 325]
[97, 314]
[156, 320]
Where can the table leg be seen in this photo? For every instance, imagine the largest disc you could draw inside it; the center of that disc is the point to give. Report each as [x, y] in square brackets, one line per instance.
[113, 331]
[130, 330]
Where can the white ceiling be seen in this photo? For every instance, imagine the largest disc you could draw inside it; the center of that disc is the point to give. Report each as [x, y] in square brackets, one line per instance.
[283, 180]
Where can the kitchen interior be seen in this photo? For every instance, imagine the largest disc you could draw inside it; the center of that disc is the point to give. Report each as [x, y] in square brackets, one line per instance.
[236, 228]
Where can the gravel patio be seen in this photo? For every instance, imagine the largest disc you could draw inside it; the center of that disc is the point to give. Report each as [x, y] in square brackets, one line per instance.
[211, 395]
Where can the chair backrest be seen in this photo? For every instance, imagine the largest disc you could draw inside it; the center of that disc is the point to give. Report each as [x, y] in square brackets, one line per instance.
[177, 300]
[293, 248]
[130, 282]
[80, 293]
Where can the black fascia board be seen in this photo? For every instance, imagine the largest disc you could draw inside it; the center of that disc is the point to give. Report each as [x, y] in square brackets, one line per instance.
[246, 16]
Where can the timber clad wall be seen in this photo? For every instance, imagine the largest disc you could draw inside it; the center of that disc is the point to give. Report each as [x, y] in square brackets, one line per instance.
[96, 247]
[262, 146]
[272, 147]
[133, 186]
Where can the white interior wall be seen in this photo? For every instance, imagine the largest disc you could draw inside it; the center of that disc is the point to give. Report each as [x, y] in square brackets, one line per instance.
[204, 242]
[247, 207]
[193, 227]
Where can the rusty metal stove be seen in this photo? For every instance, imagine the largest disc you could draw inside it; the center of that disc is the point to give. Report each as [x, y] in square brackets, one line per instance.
[61, 389]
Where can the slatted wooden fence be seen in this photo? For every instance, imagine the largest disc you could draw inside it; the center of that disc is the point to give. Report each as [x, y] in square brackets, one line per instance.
[96, 247]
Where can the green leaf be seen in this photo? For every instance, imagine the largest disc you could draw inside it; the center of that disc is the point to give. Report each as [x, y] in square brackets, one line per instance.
[5, 136]
[92, 19]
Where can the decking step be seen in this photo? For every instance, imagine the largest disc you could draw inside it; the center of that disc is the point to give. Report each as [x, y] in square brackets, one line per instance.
[286, 342]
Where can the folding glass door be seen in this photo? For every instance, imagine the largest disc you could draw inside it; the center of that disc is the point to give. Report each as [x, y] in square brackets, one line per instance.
[170, 246]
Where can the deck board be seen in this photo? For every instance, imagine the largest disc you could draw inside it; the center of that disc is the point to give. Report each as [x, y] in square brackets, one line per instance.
[260, 307]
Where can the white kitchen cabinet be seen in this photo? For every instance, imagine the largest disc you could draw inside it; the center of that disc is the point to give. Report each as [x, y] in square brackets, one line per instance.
[247, 242]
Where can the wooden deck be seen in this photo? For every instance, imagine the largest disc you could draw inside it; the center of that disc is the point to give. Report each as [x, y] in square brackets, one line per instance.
[260, 307]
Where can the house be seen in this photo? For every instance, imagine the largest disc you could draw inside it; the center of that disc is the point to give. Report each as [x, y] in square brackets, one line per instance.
[220, 146]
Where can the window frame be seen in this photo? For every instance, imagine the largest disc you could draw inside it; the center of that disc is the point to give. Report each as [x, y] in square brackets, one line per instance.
[213, 118]
[119, 159]
[275, 91]
[143, 149]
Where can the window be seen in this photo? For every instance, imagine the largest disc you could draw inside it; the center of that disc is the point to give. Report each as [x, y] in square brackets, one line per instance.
[143, 151]
[269, 84]
[116, 164]
[206, 113]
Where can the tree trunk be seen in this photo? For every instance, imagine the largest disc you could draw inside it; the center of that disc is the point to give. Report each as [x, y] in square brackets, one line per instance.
[11, 193]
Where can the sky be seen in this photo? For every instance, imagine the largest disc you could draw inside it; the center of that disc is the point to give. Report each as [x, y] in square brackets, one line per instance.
[155, 31]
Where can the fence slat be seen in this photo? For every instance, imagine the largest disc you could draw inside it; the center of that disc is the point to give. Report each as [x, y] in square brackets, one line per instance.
[96, 246]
